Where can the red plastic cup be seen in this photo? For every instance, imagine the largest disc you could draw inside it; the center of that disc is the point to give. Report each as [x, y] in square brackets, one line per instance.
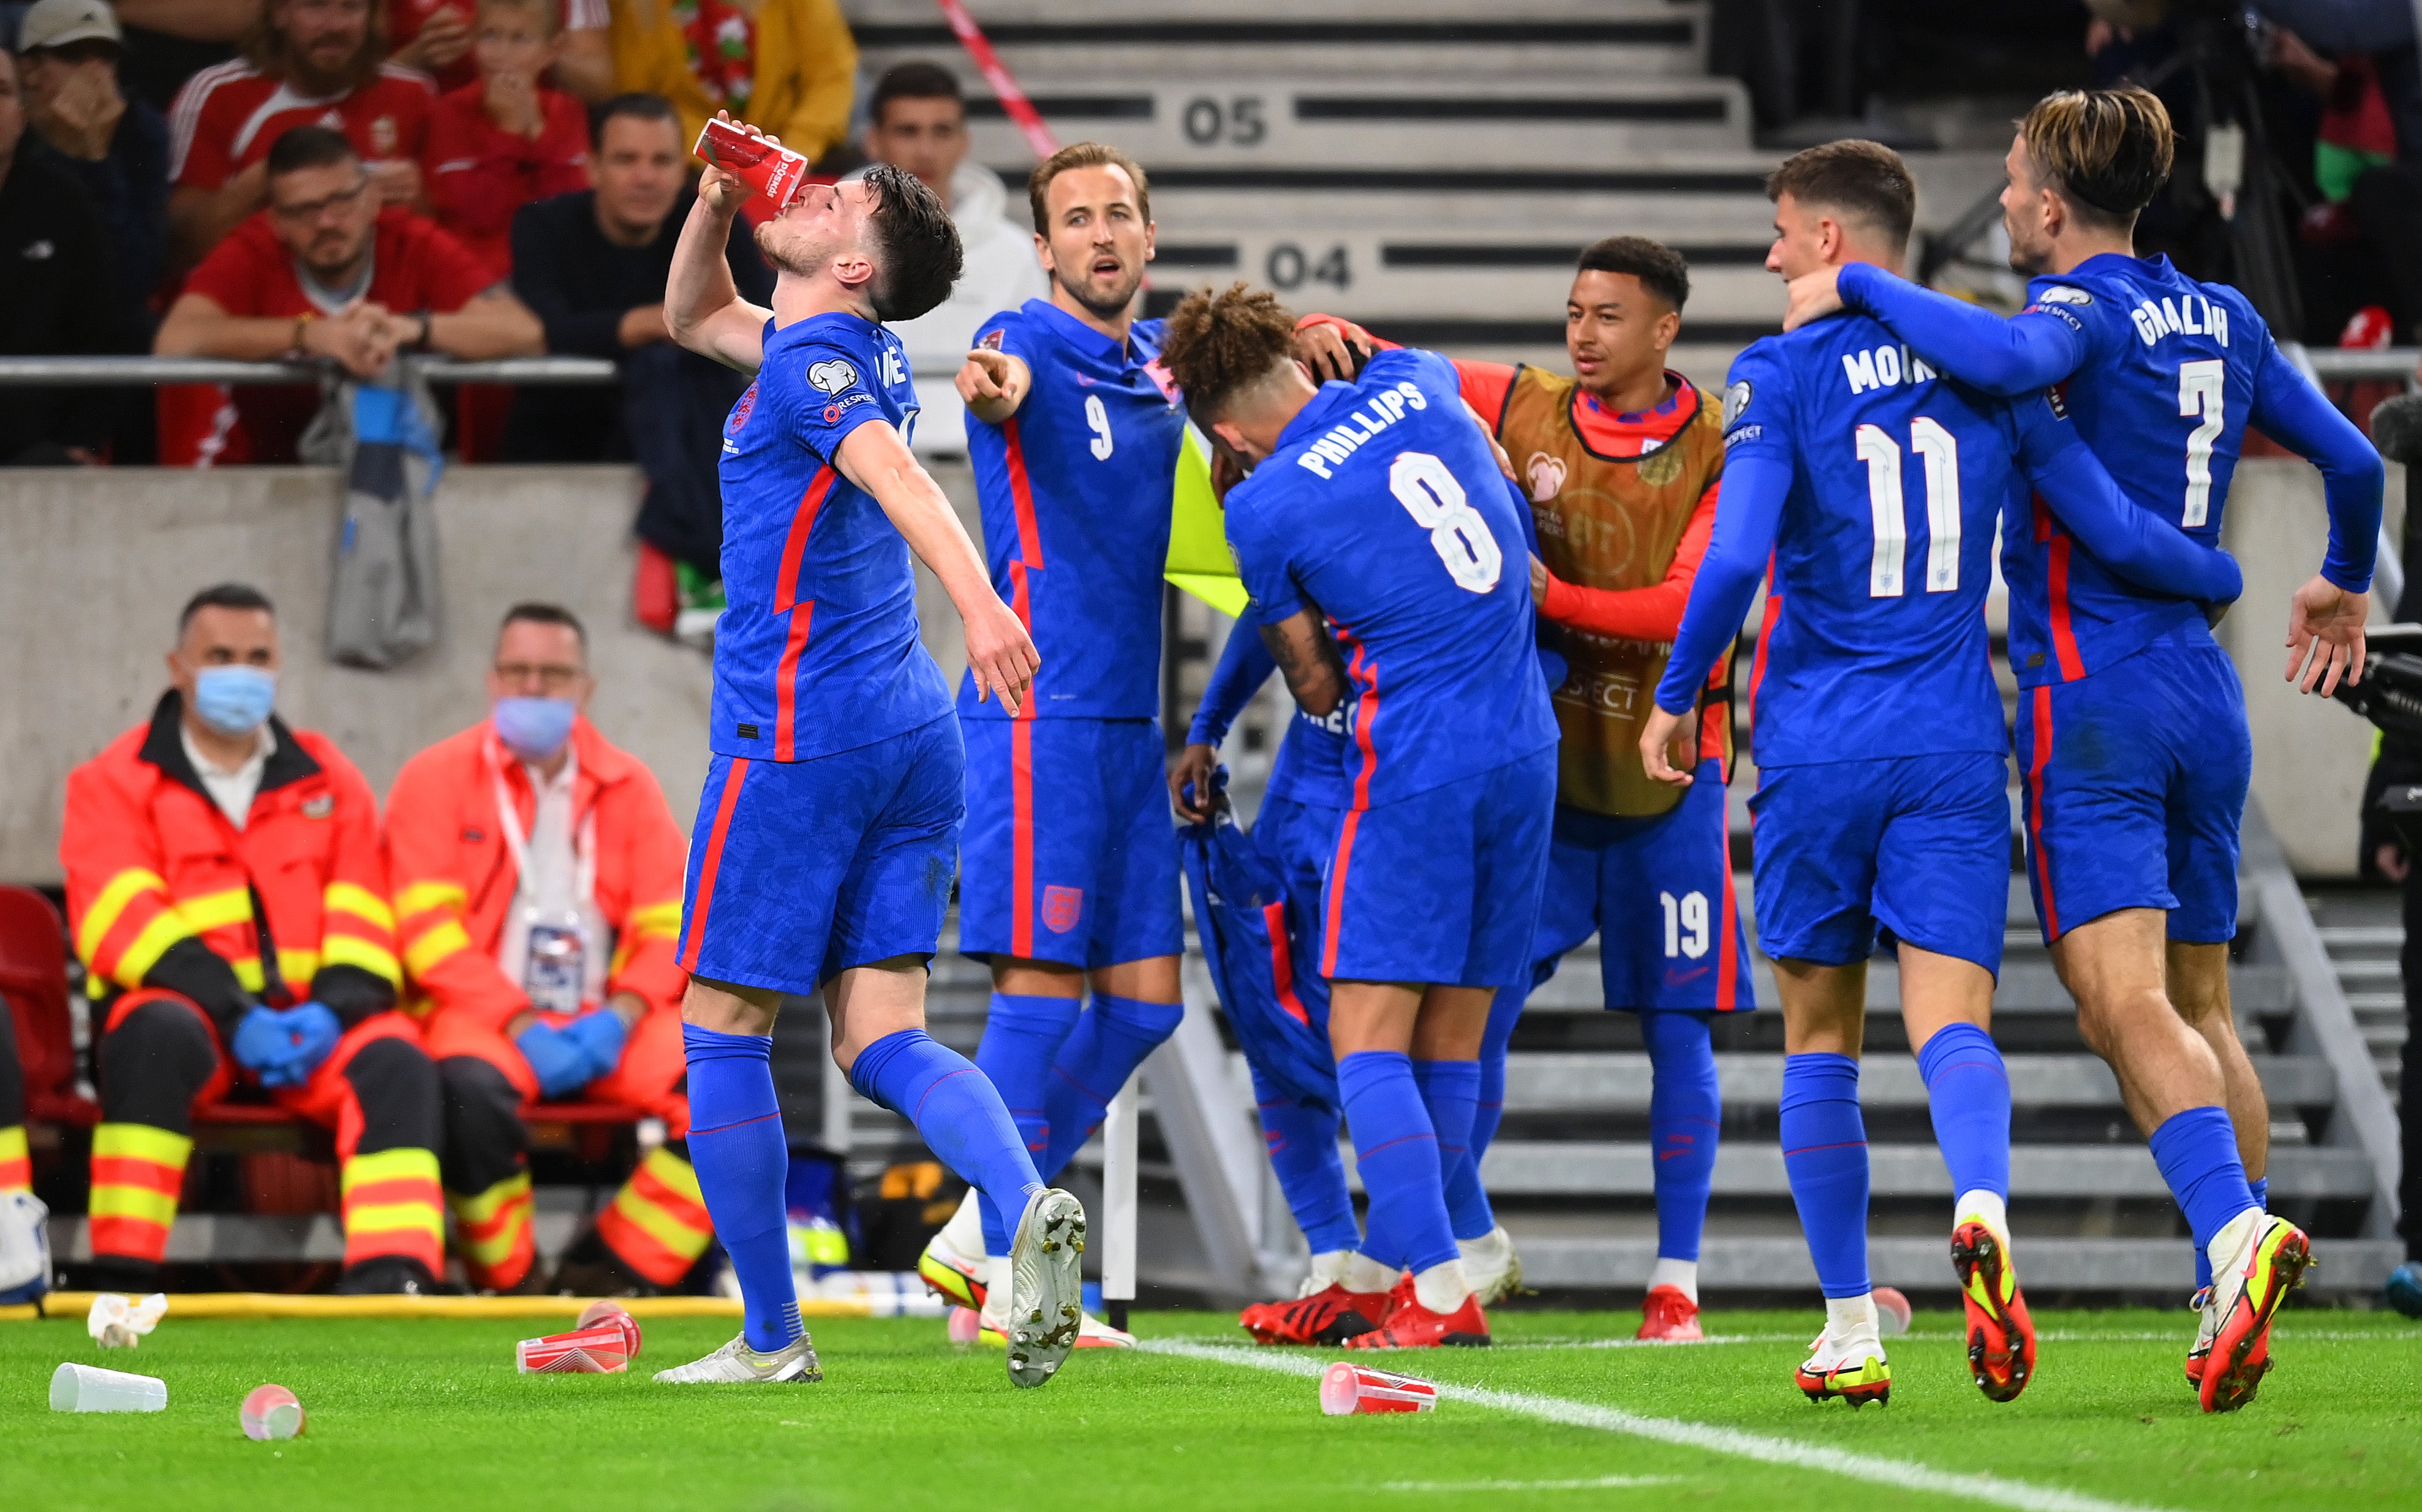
[606, 1312]
[1347, 1389]
[271, 1411]
[776, 172]
[598, 1350]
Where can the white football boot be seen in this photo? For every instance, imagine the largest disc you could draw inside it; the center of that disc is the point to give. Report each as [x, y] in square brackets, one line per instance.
[952, 1264]
[1491, 1265]
[1046, 1287]
[735, 1362]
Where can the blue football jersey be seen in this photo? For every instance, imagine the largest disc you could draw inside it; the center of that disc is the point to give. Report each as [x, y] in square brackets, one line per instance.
[817, 651]
[1383, 507]
[2169, 380]
[1883, 554]
[1076, 489]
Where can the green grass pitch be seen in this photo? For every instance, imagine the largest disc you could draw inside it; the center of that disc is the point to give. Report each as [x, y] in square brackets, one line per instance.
[432, 1414]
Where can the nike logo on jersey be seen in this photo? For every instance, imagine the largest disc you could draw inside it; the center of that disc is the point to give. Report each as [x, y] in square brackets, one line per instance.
[1386, 408]
[2189, 316]
[1883, 367]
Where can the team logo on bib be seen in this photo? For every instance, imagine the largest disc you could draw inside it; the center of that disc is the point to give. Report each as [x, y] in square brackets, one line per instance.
[1736, 401]
[1546, 476]
[1062, 907]
[831, 377]
[319, 806]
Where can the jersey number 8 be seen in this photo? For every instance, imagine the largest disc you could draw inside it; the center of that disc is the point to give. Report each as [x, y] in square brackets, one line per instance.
[1438, 504]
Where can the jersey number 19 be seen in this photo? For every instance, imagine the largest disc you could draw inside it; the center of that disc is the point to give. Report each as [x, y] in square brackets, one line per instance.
[1429, 492]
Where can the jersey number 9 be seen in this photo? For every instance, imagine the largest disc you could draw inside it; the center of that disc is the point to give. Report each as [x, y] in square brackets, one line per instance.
[1097, 415]
[1429, 492]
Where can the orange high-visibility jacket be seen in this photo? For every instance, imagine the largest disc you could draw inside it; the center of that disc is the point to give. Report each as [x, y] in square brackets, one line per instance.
[454, 877]
[298, 893]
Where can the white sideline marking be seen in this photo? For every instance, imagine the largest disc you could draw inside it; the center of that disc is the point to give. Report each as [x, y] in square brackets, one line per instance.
[1604, 1483]
[1985, 1490]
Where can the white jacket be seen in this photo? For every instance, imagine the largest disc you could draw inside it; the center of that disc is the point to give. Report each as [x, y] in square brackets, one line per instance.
[999, 272]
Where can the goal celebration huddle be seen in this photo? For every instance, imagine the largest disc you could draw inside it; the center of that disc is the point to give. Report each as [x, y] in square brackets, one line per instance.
[1507, 605]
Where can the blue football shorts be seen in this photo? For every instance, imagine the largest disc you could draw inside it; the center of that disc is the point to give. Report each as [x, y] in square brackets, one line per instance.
[1916, 844]
[1657, 892]
[2134, 784]
[1070, 853]
[800, 870]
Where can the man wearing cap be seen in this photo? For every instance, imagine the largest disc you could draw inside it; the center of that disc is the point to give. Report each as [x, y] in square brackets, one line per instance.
[115, 147]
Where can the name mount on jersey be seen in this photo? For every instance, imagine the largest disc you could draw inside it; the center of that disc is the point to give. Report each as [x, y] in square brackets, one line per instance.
[2190, 316]
[1338, 442]
[1882, 368]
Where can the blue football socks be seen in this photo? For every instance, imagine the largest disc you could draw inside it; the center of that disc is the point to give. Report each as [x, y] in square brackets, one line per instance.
[1396, 1151]
[1022, 1033]
[1451, 1092]
[1466, 1200]
[958, 1112]
[1825, 1156]
[743, 1160]
[1302, 1141]
[2197, 1153]
[1100, 1053]
[1968, 1090]
[1685, 1118]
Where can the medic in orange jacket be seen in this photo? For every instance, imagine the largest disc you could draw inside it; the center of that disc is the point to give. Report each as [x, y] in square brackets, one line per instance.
[457, 888]
[190, 925]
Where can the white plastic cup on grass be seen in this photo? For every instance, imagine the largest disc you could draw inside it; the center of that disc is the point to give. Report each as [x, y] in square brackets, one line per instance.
[76, 1388]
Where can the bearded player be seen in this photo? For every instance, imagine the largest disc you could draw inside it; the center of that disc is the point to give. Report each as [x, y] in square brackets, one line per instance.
[1622, 465]
[1874, 487]
[822, 859]
[1068, 870]
[2133, 861]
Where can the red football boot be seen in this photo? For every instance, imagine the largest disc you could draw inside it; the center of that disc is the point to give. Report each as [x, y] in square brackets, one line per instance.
[2001, 1336]
[1412, 1326]
[1328, 1317]
[2246, 1293]
[1669, 1316]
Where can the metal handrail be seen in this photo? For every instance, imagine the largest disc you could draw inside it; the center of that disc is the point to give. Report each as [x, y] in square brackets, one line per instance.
[101, 372]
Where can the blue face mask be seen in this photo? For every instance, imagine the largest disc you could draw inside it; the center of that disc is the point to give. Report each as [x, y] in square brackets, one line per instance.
[233, 700]
[535, 728]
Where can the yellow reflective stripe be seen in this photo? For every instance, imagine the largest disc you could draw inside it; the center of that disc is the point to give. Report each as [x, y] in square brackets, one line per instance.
[420, 897]
[660, 1225]
[132, 1202]
[395, 1217]
[12, 1143]
[110, 906]
[498, 1247]
[403, 1164]
[675, 1173]
[346, 950]
[435, 944]
[213, 910]
[351, 897]
[166, 928]
[248, 973]
[488, 1204]
[298, 967]
[141, 1142]
[657, 918]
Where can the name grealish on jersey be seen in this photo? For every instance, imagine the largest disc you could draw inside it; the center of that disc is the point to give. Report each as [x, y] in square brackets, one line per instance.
[1385, 408]
[2187, 315]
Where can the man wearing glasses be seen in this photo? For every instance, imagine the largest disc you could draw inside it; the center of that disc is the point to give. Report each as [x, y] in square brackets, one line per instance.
[538, 874]
[322, 273]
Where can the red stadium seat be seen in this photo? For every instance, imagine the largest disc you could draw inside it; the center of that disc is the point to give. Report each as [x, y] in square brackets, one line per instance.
[34, 979]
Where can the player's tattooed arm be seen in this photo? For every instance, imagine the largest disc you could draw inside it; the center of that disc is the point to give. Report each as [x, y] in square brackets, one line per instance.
[994, 384]
[1001, 654]
[703, 309]
[1307, 657]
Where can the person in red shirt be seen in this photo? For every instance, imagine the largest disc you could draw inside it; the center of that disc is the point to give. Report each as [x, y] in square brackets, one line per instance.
[306, 62]
[504, 139]
[323, 272]
[435, 37]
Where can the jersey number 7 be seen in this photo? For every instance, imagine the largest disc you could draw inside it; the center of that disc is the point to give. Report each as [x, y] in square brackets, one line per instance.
[1429, 492]
[1939, 451]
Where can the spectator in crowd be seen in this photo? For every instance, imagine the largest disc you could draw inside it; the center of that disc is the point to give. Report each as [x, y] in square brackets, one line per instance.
[438, 37]
[304, 61]
[538, 882]
[325, 272]
[504, 139]
[918, 121]
[787, 67]
[228, 898]
[52, 303]
[117, 147]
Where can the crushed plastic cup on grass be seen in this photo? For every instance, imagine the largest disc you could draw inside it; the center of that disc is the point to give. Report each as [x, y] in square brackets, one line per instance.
[606, 1313]
[1347, 1389]
[1892, 1311]
[584, 1351]
[118, 1323]
[76, 1388]
[271, 1411]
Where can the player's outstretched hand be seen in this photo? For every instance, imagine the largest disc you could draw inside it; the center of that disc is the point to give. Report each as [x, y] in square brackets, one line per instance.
[1325, 349]
[2325, 637]
[993, 383]
[1811, 297]
[1193, 765]
[1001, 654]
[1656, 738]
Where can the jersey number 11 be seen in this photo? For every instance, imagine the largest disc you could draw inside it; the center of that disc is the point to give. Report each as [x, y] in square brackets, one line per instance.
[1939, 451]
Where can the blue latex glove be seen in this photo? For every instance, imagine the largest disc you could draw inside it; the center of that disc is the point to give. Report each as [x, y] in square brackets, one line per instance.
[600, 1036]
[561, 1064]
[316, 1031]
[284, 1046]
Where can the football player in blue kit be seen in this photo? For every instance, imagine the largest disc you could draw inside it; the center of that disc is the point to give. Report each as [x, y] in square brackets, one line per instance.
[1068, 868]
[1377, 508]
[824, 835]
[1873, 485]
[2133, 860]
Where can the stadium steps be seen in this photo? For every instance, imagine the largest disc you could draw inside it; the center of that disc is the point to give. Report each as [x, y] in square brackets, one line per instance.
[2363, 930]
